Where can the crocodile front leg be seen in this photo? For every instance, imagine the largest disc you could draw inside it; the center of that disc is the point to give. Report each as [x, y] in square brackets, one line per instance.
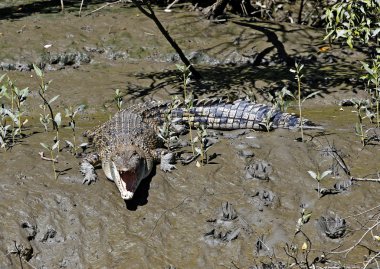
[87, 168]
[165, 158]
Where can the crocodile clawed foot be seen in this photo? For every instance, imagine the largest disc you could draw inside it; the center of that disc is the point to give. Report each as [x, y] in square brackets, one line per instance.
[166, 162]
[88, 171]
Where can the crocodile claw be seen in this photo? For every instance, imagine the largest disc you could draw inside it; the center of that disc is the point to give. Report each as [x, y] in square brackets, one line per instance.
[166, 162]
[88, 171]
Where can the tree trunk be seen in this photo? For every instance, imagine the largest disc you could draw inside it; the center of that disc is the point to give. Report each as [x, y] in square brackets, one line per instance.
[151, 15]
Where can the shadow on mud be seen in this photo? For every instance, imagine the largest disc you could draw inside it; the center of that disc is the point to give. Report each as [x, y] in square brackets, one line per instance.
[242, 80]
[52, 6]
[141, 195]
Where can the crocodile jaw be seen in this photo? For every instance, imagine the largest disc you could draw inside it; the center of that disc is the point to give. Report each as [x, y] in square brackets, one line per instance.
[121, 184]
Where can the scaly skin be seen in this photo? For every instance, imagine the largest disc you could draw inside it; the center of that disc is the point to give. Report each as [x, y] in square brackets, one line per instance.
[128, 145]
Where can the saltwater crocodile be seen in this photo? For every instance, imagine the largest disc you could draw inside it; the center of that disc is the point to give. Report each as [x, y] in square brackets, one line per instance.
[129, 145]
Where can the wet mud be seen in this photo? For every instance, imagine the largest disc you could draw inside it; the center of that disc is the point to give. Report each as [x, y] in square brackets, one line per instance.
[238, 211]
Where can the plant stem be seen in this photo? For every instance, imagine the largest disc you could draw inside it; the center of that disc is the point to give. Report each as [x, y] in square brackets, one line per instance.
[57, 137]
[377, 97]
[319, 190]
[300, 103]
[52, 157]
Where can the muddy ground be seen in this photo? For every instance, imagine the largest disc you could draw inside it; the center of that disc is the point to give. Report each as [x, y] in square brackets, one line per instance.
[229, 213]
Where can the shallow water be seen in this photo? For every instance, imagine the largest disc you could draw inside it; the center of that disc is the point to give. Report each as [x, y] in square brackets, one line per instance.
[70, 225]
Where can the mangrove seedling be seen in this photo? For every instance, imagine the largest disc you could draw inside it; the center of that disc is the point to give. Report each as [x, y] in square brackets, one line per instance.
[188, 99]
[18, 97]
[53, 158]
[71, 113]
[46, 117]
[318, 177]
[118, 99]
[362, 112]
[281, 101]
[165, 132]
[12, 109]
[298, 77]
[305, 217]
[201, 150]
[373, 82]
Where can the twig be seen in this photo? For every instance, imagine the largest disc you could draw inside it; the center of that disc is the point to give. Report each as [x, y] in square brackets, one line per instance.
[18, 252]
[361, 213]
[167, 9]
[358, 242]
[232, 262]
[365, 179]
[80, 9]
[105, 5]
[42, 155]
[370, 260]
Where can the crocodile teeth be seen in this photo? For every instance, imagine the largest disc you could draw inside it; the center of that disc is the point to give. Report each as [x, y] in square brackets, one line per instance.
[125, 182]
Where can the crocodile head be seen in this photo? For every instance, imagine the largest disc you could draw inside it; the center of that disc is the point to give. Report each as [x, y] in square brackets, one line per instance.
[128, 168]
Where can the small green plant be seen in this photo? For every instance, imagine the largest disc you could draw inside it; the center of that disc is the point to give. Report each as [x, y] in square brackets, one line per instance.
[201, 139]
[298, 77]
[18, 98]
[48, 114]
[373, 81]
[305, 217]
[318, 177]
[188, 99]
[165, 131]
[71, 114]
[297, 253]
[12, 109]
[53, 158]
[362, 112]
[267, 121]
[118, 99]
[281, 101]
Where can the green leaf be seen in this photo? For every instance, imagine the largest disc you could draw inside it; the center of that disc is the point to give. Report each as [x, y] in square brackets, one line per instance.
[306, 217]
[181, 68]
[312, 174]
[45, 146]
[83, 145]
[341, 33]
[55, 145]
[58, 119]
[53, 99]
[325, 173]
[374, 33]
[2, 77]
[349, 42]
[71, 145]
[310, 95]
[37, 70]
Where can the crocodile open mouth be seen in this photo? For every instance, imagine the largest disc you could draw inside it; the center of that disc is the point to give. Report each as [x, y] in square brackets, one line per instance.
[126, 182]
[130, 180]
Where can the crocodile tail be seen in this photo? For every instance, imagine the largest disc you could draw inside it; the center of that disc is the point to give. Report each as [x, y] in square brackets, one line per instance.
[237, 115]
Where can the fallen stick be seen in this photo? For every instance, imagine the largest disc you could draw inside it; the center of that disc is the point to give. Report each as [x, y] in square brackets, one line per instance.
[42, 155]
[106, 5]
[167, 9]
[365, 179]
